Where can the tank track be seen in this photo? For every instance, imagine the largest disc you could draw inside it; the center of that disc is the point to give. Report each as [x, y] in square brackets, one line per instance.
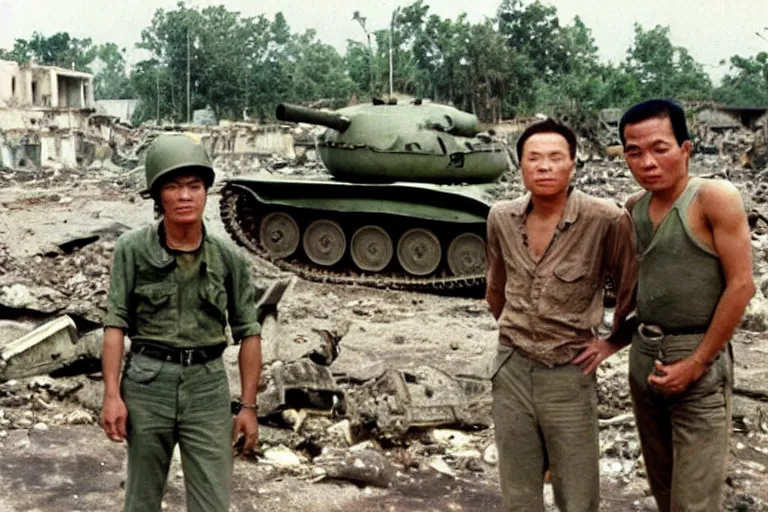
[230, 216]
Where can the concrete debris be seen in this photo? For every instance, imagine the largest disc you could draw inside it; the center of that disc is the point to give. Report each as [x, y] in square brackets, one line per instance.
[439, 465]
[302, 384]
[361, 467]
[282, 457]
[491, 455]
[44, 350]
[343, 429]
[405, 399]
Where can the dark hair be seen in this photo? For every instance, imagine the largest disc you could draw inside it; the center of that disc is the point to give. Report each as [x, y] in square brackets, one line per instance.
[656, 108]
[549, 125]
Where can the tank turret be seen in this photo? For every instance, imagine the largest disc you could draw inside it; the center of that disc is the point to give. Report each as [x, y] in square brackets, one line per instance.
[419, 142]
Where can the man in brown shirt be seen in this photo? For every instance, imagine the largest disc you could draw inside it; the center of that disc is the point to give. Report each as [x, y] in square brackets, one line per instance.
[548, 254]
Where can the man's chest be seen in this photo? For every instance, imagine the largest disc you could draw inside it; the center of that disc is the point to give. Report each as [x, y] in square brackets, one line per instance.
[539, 235]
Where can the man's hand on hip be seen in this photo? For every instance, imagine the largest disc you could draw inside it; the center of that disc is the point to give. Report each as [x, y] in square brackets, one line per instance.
[593, 354]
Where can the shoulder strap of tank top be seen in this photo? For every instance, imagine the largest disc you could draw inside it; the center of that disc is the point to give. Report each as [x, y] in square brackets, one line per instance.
[641, 206]
[687, 196]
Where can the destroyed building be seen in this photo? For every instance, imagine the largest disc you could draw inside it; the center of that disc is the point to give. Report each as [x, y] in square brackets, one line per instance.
[42, 110]
[25, 86]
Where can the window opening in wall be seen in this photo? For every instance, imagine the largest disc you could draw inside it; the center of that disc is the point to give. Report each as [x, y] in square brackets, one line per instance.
[13, 86]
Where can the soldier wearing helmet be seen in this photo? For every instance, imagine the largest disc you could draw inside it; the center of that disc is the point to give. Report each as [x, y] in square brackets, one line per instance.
[174, 290]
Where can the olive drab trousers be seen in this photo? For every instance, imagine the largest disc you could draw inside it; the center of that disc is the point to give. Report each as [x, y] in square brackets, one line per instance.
[167, 404]
[684, 438]
[545, 418]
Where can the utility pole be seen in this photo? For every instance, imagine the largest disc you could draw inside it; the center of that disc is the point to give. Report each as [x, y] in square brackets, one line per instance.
[157, 83]
[360, 19]
[188, 77]
[391, 68]
[391, 28]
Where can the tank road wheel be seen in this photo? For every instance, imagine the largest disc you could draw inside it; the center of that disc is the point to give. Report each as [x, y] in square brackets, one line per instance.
[279, 234]
[418, 251]
[371, 248]
[466, 255]
[324, 242]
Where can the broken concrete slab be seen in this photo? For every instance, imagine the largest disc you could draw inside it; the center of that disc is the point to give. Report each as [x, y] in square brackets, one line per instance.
[360, 374]
[49, 347]
[73, 242]
[361, 467]
[301, 385]
[11, 330]
[405, 399]
[283, 341]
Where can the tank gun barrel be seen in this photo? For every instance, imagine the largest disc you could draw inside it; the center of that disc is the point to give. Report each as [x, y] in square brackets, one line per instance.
[299, 114]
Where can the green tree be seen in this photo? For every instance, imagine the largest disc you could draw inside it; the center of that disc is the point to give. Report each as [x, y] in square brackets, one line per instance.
[111, 80]
[317, 70]
[60, 49]
[664, 70]
[747, 83]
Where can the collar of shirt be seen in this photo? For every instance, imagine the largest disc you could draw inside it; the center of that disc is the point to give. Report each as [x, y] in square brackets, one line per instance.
[520, 210]
[157, 253]
[570, 214]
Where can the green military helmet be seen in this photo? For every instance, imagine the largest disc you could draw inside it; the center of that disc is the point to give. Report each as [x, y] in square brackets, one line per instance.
[173, 152]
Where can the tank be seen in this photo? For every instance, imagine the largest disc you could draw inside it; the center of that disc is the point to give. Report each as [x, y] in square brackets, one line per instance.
[404, 206]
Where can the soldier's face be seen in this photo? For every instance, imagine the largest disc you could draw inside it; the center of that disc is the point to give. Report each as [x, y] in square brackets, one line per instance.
[546, 164]
[183, 199]
[653, 155]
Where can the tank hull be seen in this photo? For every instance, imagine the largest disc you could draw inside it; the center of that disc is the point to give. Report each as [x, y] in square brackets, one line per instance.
[412, 236]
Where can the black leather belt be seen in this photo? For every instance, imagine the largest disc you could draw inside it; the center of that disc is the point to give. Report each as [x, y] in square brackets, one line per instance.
[183, 356]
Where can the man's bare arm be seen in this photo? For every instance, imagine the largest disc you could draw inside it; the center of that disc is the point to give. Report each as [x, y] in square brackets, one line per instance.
[111, 360]
[724, 210]
[114, 413]
[246, 421]
[249, 362]
[496, 274]
[622, 265]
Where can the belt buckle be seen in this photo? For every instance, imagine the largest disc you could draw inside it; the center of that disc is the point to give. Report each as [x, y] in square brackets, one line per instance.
[186, 357]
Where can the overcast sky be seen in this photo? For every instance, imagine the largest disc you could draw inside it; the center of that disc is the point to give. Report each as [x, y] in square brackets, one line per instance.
[711, 29]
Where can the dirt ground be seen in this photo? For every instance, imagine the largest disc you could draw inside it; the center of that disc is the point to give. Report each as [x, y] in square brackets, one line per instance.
[75, 468]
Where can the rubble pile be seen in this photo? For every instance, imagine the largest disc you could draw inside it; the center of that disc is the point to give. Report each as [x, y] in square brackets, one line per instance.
[57, 282]
[5, 259]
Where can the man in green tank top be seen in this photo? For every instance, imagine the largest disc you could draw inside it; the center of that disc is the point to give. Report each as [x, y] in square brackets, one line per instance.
[174, 289]
[548, 254]
[694, 283]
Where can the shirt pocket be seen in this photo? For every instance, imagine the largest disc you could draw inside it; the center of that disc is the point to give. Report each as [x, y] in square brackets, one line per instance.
[155, 308]
[213, 298]
[571, 289]
[142, 370]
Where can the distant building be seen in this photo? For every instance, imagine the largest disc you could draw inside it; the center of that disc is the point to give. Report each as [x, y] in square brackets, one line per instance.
[32, 85]
[44, 111]
[118, 108]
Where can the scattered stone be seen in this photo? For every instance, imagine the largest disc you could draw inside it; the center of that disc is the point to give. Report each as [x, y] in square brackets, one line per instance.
[491, 455]
[363, 467]
[282, 457]
[439, 465]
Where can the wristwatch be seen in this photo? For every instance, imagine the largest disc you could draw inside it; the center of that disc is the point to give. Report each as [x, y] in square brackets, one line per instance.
[236, 406]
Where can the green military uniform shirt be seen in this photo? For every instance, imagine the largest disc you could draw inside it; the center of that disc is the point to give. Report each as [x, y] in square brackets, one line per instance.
[180, 299]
